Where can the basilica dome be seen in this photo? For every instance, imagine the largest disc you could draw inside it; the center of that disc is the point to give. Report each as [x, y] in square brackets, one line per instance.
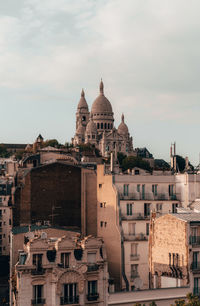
[122, 128]
[91, 127]
[82, 103]
[101, 104]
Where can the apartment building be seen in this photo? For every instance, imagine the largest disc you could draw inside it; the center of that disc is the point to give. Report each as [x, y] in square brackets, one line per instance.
[174, 251]
[61, 271]
[125, 203]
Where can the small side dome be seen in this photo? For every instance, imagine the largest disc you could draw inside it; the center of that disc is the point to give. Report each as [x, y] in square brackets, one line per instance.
[91, 127]
[122, 128]
[80, 130]
[82, 103]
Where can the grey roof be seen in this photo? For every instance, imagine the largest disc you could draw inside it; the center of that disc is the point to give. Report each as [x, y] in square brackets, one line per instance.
[188, 217]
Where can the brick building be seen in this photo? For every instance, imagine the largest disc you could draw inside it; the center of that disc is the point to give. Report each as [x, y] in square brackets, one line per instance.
[59, 194]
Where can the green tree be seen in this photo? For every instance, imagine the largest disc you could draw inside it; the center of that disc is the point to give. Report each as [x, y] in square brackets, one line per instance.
[131, 162]
[120, 157]
[52, 143]
[192, 300]
[3, 151]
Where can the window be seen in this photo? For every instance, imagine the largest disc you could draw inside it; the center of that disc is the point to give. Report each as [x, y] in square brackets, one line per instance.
[134, 271]
[64, 258]
[158, 207]
[83, 118]
[174, 208]
[97, 125]
[100, 185]
[129, 209]
[93, 136]
[137, 172]
[9, 221]
[101, 223]
[0, 199]
[147, 229]
[69, 294]
[134, 247]
[37, 261]
[143, 192]
[105, 224]
[101, 125]
[38, 294]
[108, 125]
[155, 189]
[177, 260]
[105, 125]
[196, 286]
[147, 207]
[126, 189]
[170, 259]
[92, 288]
[101, 204]
[131, 228]
[171, 190]
[138, 188]
[91, 258]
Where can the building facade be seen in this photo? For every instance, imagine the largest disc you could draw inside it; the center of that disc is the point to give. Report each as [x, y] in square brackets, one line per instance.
[175, 262]
[97, 127]
[124, 206]
[61, 271]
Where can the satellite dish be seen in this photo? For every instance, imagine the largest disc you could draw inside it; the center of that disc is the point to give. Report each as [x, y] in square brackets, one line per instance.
[138, 283]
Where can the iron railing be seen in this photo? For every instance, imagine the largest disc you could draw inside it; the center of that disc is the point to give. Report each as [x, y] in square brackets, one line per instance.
[69, 300]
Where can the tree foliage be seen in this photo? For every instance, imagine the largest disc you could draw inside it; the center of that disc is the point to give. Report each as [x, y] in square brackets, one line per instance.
[52, 143]
[120, 157]
[131, 162]
[3, 151]
[192, 300]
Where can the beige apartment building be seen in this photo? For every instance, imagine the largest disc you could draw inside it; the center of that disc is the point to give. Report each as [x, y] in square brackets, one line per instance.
[125, 203]
[174, 249]
[69, 270]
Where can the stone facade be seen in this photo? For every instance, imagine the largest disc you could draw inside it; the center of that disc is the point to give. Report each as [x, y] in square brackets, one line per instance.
[61, 271]
[174, 247]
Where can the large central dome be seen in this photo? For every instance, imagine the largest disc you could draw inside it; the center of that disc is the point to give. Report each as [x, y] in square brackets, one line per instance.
[101, 105]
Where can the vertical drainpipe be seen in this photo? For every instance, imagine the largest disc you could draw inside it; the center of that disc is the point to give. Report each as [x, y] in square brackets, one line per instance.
[122, 241]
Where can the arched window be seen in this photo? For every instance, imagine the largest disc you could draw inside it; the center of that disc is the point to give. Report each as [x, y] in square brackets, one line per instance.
[83, 118]
[108, 125]
[97, 125]
[105, 126]
[101, 125]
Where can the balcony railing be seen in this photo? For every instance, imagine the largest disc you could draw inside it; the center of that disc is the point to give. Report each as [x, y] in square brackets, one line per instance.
[69, 300]
[92, 297]
[138, 237]
[38, 301]
[92, 267]
[148, 196]
[134, 256]
[195, 240]
[136, 216]
[39, 271]
[195, 266]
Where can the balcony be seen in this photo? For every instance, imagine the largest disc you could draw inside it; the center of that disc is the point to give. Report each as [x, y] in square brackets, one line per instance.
[136, 216]
[195, 266]
[195, 240]
[69, 300]
[39, 271]
[149, 196]
[138, 237]
[38, 301]
[92, 297]
[134, 257]
[92, 267]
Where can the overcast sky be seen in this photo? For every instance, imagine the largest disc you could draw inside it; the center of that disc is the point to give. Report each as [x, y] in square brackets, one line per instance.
[146, 51]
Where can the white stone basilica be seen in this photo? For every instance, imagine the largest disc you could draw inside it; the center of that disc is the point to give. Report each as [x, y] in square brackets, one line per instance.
[97, 127]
